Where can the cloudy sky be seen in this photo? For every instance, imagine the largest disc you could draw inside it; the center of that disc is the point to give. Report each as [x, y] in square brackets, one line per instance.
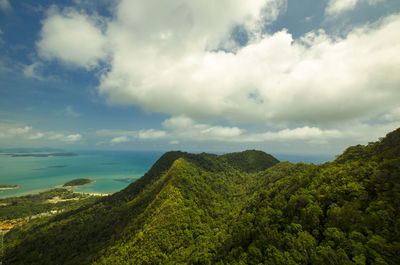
[283, 76]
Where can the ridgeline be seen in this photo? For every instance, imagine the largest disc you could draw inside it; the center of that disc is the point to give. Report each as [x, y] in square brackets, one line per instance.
[240, 208]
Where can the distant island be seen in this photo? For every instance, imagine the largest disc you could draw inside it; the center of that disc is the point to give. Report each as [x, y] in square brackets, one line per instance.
[26, 150]
[9, 187]
[44, 155]
[78, 182]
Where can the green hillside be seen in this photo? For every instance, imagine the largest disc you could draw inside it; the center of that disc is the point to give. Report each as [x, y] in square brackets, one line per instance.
[240, 208]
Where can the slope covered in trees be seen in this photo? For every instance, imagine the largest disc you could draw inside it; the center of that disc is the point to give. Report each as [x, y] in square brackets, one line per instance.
[241, 208]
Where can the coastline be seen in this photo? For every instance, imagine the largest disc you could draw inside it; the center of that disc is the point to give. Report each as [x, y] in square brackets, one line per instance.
[102, 194]
[92, 193]
[10, 188]
[35, 175]
[71, 188]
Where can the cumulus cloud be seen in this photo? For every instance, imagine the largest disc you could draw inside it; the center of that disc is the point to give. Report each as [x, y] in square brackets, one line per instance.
[35, 136]
[124, 135]
[10, 131]
[184, 127]
[72, 138]
[71, 112]
[120, 139]
[176, 61]
[336, 7]
[73, 38]
[67, 138]
[31, 71]
[188, 131]
[5, 5]
[151, 134]
[273, 79]
[19, 131]
[300, 133]
[18, 134]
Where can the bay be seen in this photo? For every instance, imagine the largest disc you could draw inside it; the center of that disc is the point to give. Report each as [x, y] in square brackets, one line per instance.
[110, 170]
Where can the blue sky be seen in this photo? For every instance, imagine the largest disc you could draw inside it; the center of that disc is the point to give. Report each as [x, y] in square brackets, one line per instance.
[283, 76]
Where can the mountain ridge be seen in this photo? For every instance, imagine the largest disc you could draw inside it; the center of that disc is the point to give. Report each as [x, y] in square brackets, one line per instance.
[210, 209]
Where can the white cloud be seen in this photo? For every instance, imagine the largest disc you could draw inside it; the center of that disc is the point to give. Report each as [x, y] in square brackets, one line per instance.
[12, 131]
[170, 62]
[56, 136]
[296, 134]
[69, 138]
[5, 5]
[19, 131]
[19, 135]
[336, 7]
[120, 139]
[31, 71]
[70, 111]
[123, 135]
[339, 6]
[35, 136]
[72, 138]
[178, 123]
[184, 127]
[192, 135]
[273, 79]
[151, 134]
[73, 38]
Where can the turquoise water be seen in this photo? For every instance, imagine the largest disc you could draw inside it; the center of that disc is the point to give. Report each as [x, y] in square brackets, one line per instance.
[111, 170]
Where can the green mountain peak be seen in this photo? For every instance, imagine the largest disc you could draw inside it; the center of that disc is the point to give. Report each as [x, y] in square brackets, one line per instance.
[239, 208]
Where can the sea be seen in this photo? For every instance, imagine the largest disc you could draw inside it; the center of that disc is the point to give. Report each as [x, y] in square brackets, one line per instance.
[110, 170]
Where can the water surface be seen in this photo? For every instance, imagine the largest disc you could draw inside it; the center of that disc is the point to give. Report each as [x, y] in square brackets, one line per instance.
[111, 170]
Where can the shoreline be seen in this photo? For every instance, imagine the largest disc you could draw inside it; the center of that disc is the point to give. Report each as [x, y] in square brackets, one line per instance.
[93, 193]
[102, 194]
[71, 188]
[10, 188]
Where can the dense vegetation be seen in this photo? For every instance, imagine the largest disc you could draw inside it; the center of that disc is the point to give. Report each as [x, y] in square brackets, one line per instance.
[78, 182]
[251, 160]
[29, 205]
[209, 209]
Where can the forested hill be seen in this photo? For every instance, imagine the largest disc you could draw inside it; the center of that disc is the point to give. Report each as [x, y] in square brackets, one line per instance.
[241, 208]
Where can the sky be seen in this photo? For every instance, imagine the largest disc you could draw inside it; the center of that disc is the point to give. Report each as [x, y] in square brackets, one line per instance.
[283, 76]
